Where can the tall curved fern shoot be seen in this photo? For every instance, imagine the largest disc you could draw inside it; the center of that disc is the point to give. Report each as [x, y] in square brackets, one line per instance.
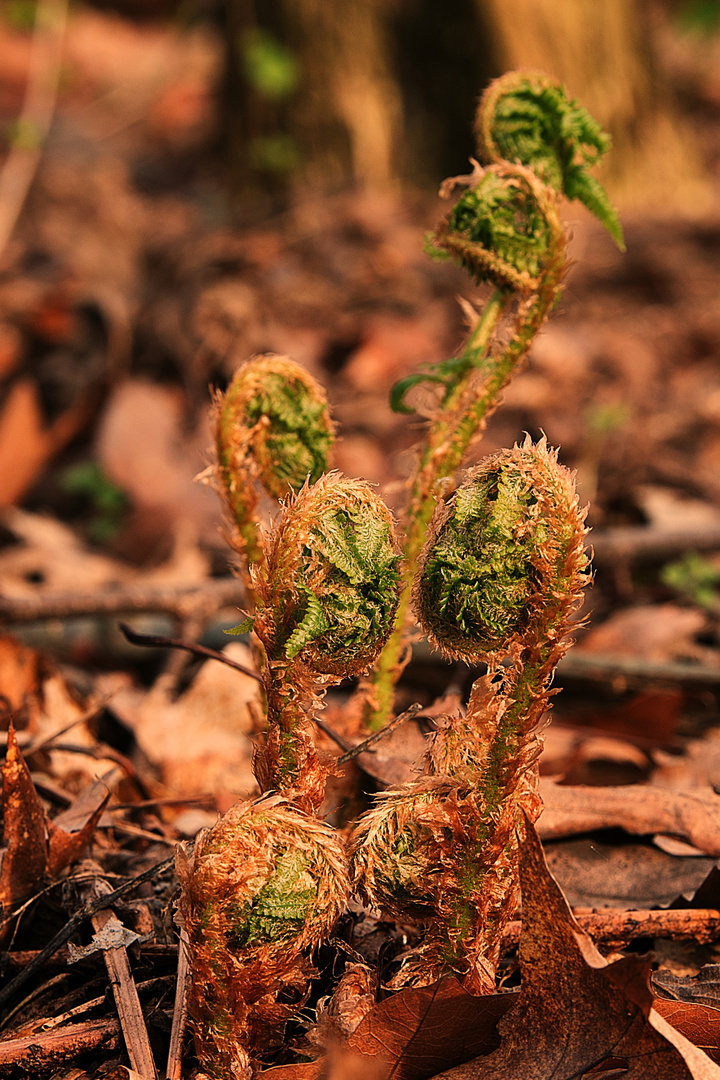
[505, 229]
[500, 577]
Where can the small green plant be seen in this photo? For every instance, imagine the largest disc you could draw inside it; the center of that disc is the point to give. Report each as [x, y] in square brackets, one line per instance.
[491, 565]
[500, 575]
[695, 578]
[106, 503]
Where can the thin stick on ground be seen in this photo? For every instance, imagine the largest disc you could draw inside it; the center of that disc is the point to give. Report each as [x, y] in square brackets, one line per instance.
[127, 1002]
[154, 640]
[179, 1021]
[181, 601]
[617, 928]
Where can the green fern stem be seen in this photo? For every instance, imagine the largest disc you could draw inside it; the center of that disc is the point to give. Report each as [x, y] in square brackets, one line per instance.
[483, 891]
[500, 575]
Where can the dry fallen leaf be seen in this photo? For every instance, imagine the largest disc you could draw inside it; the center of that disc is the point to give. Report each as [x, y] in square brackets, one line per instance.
[144, 447]
[654, 632]
[642, 810]
[200, 742]
[24, 837]
[67, 846]
[697, 1022]
[418, 1031]
[597, 872]
[700, 989]
[18, 674]
[36, 848]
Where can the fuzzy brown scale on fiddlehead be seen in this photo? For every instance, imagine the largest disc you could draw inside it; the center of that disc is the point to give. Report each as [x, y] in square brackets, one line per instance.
[259, 891]
[272, 430]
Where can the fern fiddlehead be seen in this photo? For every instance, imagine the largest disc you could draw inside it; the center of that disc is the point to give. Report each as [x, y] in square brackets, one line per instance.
[499, 570]
[327, 595]
[506, 231]
[265, 885]
[272, 432]
[527, 117]
[260, 889]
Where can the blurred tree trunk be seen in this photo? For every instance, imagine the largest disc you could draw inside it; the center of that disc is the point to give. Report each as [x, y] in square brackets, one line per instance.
[343, 120]
[326, 92]
[349, 118]
[603, 51]
[385, 90]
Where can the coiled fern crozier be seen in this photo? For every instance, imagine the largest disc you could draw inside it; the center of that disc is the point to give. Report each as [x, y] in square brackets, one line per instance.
[505, 229]
[493, 566]
[272, 431]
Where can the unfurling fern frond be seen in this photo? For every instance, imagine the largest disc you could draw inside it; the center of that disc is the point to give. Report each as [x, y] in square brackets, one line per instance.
[326, 595]
[527, 118]
[272, 431]
[336, 543]
[260, 890]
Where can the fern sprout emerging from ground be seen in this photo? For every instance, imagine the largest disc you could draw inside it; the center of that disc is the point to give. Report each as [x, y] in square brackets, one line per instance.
[267, 882]
[500, 565]
[500, 576]
[326, 595]
[260, 890]
[495, 574]
[536, 146]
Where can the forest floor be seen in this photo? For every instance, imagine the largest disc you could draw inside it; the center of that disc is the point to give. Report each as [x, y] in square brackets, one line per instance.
[125, 295]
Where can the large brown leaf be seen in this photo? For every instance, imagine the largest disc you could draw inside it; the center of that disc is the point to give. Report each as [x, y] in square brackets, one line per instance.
[418, 1031]
[411, 1035]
